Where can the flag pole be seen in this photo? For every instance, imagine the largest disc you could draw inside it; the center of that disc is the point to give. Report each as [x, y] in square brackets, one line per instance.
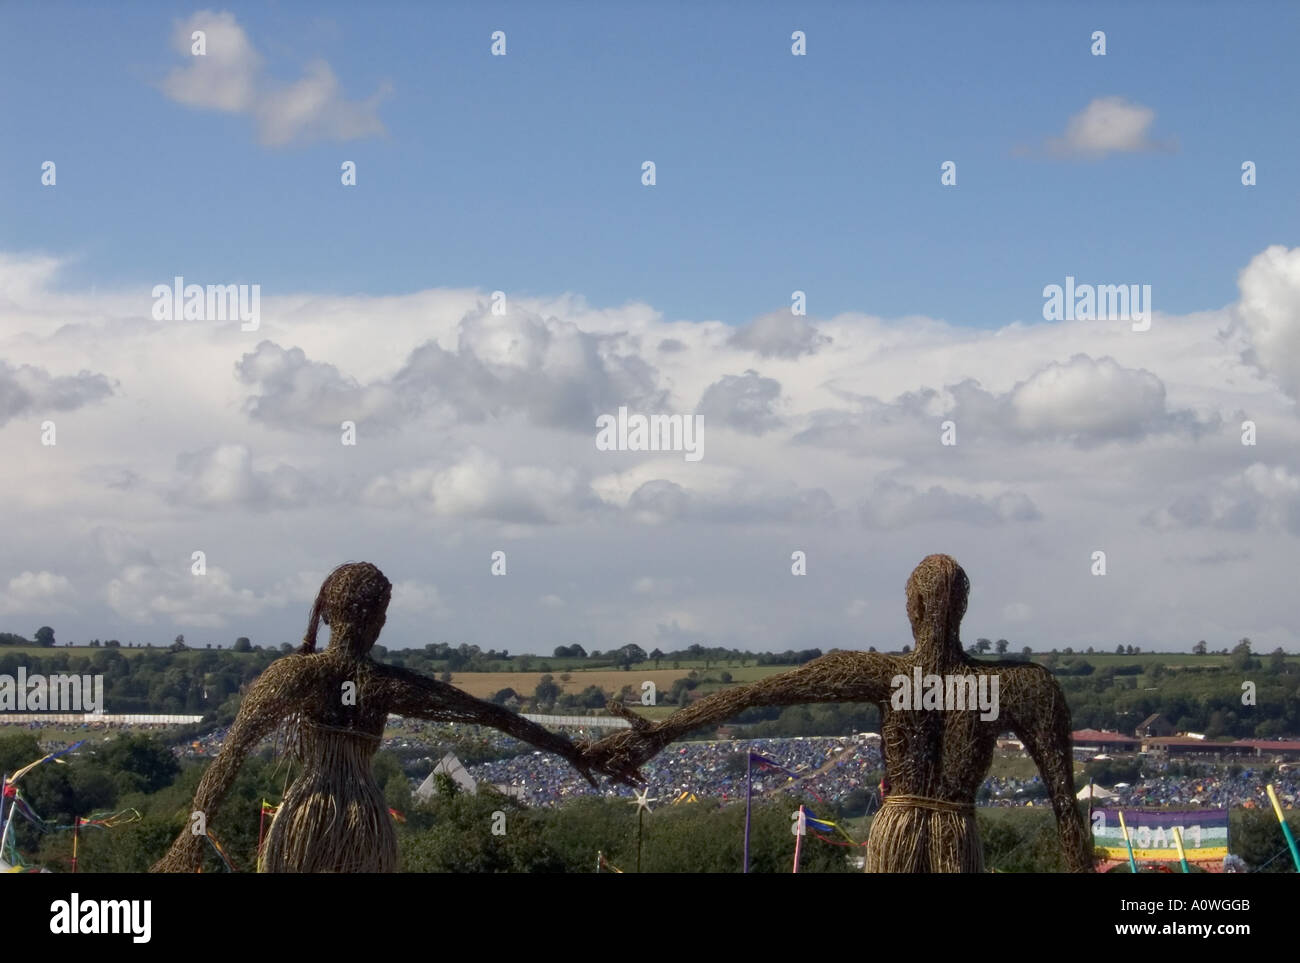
[1132, 863]
[1272, 797]
[261, 824]
[9, 820]
[1182, 854]
[798, 836]
[76, 830]
[749, 797]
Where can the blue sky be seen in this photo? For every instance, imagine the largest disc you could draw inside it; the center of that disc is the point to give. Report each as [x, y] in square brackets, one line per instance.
[775, 172]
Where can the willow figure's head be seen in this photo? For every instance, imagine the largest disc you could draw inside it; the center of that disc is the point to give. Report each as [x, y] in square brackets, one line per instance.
[353, 602]
[936, 601]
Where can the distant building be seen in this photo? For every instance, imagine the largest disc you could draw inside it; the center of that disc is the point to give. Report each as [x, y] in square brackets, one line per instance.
[1274, 748]
[1095, 740]
[1192, 746]
[1155, 726]
[1197, 745]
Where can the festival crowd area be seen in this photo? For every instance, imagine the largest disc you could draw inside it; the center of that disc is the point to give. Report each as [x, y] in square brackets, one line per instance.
[705, 769]
[833, 768]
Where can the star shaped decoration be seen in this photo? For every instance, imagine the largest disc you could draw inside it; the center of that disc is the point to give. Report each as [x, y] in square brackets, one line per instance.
[641, 802]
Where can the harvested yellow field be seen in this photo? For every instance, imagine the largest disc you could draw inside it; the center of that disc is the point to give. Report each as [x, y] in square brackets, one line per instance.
[486, 684]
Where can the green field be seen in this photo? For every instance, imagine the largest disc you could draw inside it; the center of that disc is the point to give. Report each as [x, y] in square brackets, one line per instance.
[34, 649]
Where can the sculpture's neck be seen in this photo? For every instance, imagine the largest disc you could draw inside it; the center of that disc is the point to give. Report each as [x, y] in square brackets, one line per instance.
[936, 651]
[346, 639]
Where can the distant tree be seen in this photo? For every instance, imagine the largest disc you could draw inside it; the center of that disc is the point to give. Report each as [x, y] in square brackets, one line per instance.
[1027, 652]
[657, 655]
[1199, 648]
[502, 696]
[1241, 657]
[1277, 661]
[45, 636]
[1119, 649]
[139, 763]
[1001, 646]
[286, 648]
[1089, 650]
[397, 793]
[985, 642]
[630, 654]
[1069, 650]
[242, 644]
[180, 640]
[546, 692]
[445, 786]
[113, 644]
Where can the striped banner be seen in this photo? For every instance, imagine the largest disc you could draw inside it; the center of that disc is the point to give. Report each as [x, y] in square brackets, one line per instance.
[1205, 834]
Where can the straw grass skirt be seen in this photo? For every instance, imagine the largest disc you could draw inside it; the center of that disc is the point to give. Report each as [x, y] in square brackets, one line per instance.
[333, 818]
[912, 834]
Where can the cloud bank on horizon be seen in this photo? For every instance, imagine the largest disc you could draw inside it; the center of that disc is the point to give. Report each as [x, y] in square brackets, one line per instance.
[475, 433]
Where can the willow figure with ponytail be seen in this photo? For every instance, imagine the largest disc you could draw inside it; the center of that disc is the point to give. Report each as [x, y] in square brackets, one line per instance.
[333, 817]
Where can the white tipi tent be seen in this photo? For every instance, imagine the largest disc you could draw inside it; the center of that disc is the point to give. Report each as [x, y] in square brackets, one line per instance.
[1098, 792]
[451, 766]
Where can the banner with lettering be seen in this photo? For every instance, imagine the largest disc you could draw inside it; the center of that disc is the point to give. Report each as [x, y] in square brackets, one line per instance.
[1205, 833]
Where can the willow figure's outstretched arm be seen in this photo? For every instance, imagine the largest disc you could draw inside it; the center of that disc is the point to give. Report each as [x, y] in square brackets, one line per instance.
[408, 693]
[837, 677]
[275, 695]
[1040, 718]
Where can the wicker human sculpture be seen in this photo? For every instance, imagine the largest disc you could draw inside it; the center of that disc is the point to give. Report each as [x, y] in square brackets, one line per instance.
[935, 759]
[333, 817]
